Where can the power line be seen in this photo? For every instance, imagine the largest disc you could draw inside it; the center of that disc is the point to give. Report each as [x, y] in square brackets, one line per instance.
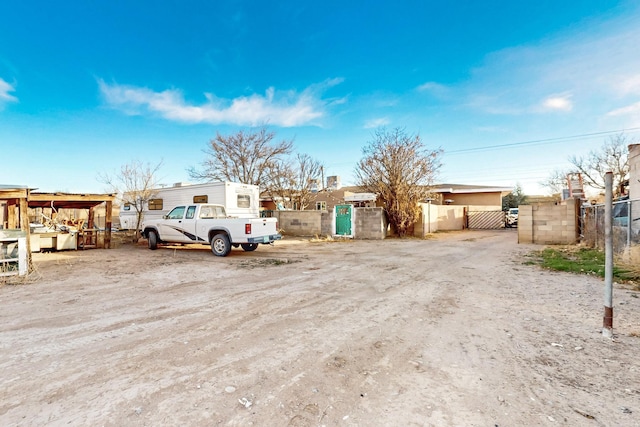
[542, 141]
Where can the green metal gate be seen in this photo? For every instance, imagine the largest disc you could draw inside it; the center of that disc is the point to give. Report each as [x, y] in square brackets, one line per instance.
[343, 220]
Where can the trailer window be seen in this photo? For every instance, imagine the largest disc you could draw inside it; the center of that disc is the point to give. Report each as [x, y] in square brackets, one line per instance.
[155, 204]
[244, 201]
[127, 207]
[201, 199]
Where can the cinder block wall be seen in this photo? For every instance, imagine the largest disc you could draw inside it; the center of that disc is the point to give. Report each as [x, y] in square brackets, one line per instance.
[370, 223]
[549, 224]
[300, 223]
[525, 224]
[327, 223]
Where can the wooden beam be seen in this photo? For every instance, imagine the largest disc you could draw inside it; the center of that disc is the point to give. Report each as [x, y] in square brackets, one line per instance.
[13, 194]
[64, 197]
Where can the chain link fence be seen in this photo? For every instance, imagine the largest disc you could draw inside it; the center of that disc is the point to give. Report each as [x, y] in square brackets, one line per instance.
[626, 225]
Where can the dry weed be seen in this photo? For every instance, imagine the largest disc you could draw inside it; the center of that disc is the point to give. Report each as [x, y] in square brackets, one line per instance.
[629, 260]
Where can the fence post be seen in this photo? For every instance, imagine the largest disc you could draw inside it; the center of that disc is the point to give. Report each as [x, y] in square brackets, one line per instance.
[607, 329]
[628, 225]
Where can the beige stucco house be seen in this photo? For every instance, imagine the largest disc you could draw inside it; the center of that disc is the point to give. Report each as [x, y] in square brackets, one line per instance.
[441, 194]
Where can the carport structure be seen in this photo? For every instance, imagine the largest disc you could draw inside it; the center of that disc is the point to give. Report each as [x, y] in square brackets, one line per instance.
[16, 200]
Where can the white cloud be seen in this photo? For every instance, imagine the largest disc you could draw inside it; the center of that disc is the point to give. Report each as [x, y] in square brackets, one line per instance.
[5, 88]
[376, 123]
[629, 110]
[491, 129]
[591, 62]
[558, 103]
[629, 85]
[280, 108]
[434, 87]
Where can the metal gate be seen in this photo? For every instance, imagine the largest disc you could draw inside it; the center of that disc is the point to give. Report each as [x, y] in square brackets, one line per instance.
[485, 220]
[343, 220]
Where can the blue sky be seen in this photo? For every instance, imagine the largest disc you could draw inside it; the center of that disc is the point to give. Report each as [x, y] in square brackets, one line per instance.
[507, 89]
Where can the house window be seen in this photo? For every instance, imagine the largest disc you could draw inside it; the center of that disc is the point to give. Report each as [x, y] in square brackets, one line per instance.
[155, 204]
[321, 206]
[201, 199]
[244, 201]
[127, 207]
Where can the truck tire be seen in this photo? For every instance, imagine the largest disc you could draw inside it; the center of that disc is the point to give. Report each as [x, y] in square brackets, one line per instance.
[220, 245]
[152, 238]
[249, 247]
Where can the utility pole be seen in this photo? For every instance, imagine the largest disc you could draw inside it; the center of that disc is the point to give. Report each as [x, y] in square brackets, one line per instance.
[607, 328]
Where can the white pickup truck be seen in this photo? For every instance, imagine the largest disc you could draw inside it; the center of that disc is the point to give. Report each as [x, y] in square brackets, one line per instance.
[208, 223]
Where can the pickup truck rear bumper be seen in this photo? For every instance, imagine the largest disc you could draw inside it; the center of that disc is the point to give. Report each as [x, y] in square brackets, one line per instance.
[265, 239]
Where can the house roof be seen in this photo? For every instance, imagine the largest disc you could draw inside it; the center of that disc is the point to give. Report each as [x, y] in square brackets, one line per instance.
[13, 187]
[437, 188]
[463, 188]
[452, 188]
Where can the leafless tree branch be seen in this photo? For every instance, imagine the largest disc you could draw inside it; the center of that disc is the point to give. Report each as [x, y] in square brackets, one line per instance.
[399, 169]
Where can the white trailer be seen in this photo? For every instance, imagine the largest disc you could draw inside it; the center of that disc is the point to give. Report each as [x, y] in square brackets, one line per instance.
[239, 200]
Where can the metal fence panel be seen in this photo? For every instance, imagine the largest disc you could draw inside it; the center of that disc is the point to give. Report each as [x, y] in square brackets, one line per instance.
[626, 225]
[485, 220]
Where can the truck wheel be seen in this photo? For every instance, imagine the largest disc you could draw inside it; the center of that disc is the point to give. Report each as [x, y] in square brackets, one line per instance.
[152, 237]
[220, 245]
[249, 247]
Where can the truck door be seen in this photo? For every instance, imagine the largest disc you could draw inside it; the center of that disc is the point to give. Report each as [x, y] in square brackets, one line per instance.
[172, 228]
[189, 226]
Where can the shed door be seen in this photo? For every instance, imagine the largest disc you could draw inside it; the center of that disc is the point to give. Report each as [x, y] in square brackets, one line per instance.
[343, 220]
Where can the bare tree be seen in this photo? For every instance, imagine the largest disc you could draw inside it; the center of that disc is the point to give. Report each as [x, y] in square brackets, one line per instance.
[612, 156]
[557, 181]
[280, 183]
[307, 173]
[135, 185]
[292, 181]
[245, 157]
[399, 169]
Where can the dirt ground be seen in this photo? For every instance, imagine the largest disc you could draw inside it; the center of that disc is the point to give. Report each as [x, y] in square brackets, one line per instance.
[458, 330]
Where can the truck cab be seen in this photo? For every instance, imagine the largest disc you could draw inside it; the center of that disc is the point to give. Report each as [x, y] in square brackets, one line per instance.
[209, 224]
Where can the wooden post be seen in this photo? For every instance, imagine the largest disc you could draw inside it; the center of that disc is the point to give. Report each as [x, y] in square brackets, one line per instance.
[91, 219]
[12, 218]
[107, 224]
[24, 225]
